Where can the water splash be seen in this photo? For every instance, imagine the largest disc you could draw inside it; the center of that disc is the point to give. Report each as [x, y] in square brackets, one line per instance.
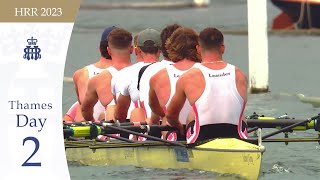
[279, 168]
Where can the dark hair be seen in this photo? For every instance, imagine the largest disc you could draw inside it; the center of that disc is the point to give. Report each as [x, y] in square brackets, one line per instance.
[149, 47]
[210, 38]
[165, 34]
[119, 38]
[182, 45]
[103, 49]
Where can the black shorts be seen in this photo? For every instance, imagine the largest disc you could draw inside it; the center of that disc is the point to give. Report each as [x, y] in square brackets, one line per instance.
[213, 131]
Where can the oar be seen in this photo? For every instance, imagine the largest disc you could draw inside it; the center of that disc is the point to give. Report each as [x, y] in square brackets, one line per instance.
[125, 123]
[139, 129]
[276, 123]
[83, 123]
[85, 131]
[290, 127]
[252, 129]
[144, 135]
[118, 138]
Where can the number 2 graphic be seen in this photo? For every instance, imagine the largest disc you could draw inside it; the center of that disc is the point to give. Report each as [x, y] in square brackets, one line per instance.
[36, 142]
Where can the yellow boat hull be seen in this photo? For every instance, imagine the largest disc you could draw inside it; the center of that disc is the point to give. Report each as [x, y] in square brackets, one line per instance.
[223, 156]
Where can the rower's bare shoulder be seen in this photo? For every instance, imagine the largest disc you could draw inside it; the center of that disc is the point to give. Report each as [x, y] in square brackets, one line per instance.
[240, 75]
[191, 75]
[157, 77]
[103, 76]
[77, 74]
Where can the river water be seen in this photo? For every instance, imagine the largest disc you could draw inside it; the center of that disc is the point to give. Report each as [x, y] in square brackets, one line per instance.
[293, 68]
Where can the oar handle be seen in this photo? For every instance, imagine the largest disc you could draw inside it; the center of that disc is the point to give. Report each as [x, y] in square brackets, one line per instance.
[68, 133]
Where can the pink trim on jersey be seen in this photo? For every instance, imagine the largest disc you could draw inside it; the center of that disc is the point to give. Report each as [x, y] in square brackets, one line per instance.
[73, 110]
[191, 138]
[136, 104]
[164, 110]
[243, 135]
[144, 109]
[172, 136]
[140, 138]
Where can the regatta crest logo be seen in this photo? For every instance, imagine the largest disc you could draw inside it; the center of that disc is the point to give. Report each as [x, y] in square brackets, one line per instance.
[32, 51]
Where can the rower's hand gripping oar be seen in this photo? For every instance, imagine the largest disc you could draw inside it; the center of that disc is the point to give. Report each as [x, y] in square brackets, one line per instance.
[144, 135]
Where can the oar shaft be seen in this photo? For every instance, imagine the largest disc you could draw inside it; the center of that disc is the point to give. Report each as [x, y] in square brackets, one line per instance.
[252, 129]
[146, 136]
[85, 131]
[285, 129]
[272, 123]
[119, 138]
[139, 129]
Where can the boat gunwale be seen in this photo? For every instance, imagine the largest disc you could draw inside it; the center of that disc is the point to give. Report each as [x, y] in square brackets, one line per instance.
[259, 149]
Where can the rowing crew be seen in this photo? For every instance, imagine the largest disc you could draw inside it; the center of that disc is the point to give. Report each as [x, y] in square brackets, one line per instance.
[192, 88]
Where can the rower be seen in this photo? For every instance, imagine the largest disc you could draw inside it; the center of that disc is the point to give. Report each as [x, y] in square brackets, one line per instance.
[182, 51]
[151, 70]
[70, 116]
[148, 46]
[216, 90]
[82, 76]
[99, 87]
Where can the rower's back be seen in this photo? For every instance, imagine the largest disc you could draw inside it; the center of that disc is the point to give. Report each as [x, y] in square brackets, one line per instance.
[182, 51]
[82, 76]
[154, 68]
[99, 87]
[220, 94]
[171, 77]
[219, 108]
[148, 47]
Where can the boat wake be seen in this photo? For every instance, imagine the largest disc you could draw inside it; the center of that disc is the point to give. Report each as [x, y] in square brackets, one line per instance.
[280, 168]
[313, 100]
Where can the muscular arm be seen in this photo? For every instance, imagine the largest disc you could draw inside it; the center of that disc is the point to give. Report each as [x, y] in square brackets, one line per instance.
[123, 104]
[90, 100]
[242, 86]
[153, 99]
[98, 89]
[189, 86]
[241, 83]
[176, 104]
[80, 80]
[104, 87]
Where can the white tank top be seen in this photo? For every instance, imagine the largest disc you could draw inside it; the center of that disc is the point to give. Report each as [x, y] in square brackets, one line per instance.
[220, 101]
[113, 71]
[128, 81]
[145, 85]
[124, 83]
[174, 75]
[93, 70]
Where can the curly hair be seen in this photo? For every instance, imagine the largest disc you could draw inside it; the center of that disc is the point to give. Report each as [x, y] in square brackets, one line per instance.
[182, 45]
